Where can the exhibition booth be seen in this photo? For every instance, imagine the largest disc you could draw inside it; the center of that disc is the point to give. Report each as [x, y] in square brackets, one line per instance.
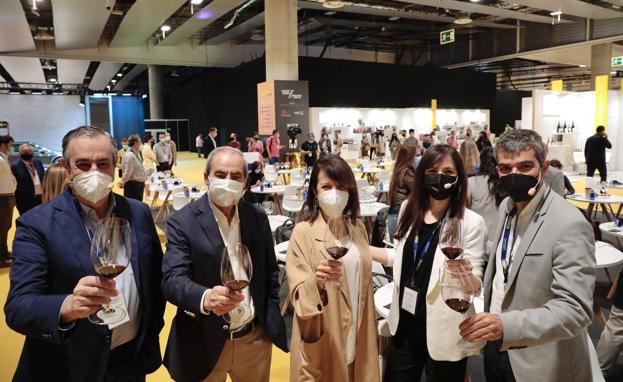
[566, 119]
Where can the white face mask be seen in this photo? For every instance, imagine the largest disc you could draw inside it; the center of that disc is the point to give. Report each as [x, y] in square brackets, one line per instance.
[125, 147]
[92, 186]
[161, 140]
[332, 202]
[140, 148]
[225, 192]
[257, 170]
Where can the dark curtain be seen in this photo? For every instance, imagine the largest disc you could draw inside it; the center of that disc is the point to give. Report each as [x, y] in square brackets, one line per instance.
[128, 117]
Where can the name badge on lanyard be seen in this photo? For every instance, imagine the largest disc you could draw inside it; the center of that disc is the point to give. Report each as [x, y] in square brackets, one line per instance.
[409, 294]
[506, 252]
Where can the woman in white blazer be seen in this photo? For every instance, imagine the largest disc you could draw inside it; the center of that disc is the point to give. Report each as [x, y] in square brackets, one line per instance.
[425, 336]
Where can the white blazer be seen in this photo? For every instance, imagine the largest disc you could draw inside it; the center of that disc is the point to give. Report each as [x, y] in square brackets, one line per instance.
[442, 323]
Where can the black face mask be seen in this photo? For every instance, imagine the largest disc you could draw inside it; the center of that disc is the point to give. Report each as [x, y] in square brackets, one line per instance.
[426, 145]
[435, 185]
[26, 157]
[518, 186]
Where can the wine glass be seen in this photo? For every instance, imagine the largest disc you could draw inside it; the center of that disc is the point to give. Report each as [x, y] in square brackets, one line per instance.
[111, 247]
[337, 238]
[457, 291]
[268, 207]
[451, 239]
[236, 273]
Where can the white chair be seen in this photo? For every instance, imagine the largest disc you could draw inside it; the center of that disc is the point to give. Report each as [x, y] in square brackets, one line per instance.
[578, 160]
[297, 178]
[290, 203]
[608, 157]
[361, 183]
[270, 175]
[179, 201]
[385, 177]
[592, 355]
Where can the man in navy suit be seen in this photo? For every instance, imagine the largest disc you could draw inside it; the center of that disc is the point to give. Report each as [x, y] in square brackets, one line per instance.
[54, 287]
[202, 346]
[29, 175]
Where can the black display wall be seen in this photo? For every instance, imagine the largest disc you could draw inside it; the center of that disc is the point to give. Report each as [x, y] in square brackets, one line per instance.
[227, 99]
[506, 109]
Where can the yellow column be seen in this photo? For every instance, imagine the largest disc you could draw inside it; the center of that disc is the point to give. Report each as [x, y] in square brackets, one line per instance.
[433, 108]
[601, 100]
[557, 85]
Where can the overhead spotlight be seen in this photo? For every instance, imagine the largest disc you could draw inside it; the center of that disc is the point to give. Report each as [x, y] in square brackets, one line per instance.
[81, 102]
[555, 16]
[463, 19]
[119, 74]
[196, 2]
[475, 1]
[333, 4]
[165, 29]
[52, 79]
[257, 35]
[330, 13]
[394, 18]
[43, 34]
[383, 29]
[582, 66]
[113, 81]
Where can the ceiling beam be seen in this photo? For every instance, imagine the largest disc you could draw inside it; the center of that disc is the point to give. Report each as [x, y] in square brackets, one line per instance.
[572, 7]
[142, 19]
[241, 29]
[78, 23]
[15, 35]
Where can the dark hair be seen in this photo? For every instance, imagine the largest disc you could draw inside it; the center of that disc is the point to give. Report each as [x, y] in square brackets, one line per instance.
[555, 163]
[211, 129]
[394, 138]
[133, 139]
[411, 131]
[275, 131]
[404, 159]
[148, 136]
[339, 171]
[600, 129]
[413, 214]
[6, 139]
[488, 167]
[255, 165]
[88, 131]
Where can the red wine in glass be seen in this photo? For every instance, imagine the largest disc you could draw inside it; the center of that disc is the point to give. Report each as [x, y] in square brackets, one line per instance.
[452, 252]
[236, 285]
[337, 252]
[236, 273]
[458, 304]
[110, 271]
[451, 238]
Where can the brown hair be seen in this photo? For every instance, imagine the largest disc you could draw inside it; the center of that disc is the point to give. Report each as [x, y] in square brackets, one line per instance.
[339, 171]
[413, 214]
[54, 182]
[407, 152]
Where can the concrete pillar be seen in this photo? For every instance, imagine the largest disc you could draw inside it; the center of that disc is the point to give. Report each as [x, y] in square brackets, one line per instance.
[281, 39]
[156, 109]
[601, 61]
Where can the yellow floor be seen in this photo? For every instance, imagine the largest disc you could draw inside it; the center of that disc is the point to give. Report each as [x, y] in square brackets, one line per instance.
[191, 169]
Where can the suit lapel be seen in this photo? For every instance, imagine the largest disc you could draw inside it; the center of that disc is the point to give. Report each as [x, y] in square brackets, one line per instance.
[67, 215]
[246, 237]
[491, 265]
[533, 227]
[122, 210]
[210, 227]
[27, 175]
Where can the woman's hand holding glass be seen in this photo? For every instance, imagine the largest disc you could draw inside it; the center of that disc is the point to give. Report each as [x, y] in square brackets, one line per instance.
[463, 269]
[328, 270]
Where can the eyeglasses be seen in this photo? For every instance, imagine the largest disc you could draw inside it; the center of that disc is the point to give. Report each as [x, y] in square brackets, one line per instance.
[522, 167]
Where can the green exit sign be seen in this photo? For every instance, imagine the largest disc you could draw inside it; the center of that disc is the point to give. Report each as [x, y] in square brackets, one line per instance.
[446, 37]
[617, 61]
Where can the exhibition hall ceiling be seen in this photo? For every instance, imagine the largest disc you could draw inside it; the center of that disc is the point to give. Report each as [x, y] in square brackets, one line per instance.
[103, 44]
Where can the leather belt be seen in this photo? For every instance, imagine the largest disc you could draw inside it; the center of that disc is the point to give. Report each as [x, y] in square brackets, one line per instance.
[242, 331]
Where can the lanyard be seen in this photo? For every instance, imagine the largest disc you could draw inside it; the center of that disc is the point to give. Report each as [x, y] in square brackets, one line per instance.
[417, 260]
[505, 240]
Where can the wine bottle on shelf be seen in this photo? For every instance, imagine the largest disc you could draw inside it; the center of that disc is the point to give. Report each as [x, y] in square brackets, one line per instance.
[564, 127]
[572, 126]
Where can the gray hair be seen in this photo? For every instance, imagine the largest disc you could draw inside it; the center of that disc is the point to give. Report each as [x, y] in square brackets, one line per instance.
[230, 150]
[91, 132]
[132, 139]
[516, 141]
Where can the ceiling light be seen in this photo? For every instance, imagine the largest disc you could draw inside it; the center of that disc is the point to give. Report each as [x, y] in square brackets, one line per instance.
[557, 13]
[463, 19]
[52, 79]
[333, 4]
[394, 18]
[43, 35]
[119, 75]
[474, 1]
[196, 2]
[113, 81]
[257, 35]
[165, 28]
[582, 66]
[330, 13]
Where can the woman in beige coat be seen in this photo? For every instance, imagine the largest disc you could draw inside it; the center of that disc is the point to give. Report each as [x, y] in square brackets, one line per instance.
[334, 335]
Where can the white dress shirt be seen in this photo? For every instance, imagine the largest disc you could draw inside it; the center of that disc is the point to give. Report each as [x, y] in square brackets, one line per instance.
[518, 228]
[36, 181]
[132, 167]
[230, 233]
[8, 184]
[126, 285]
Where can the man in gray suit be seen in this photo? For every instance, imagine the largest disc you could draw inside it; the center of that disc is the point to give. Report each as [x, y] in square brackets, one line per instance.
[539, 282]
[555, 179]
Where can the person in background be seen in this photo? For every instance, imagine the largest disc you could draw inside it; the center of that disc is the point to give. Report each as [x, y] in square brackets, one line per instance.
[163, 154]
[484, 193]
[595, 153]
[427, 142]
[324, 144]
[365, 145]
[402, 183]
[412, 138]
[54, 182]
[256, 176]
[469, 155]
[402, 137]
[120, 154]
[309, 150]
[149, 160]
[199, 144]
[233, 141]
[483, 141]
[610, 343]
[425, 333]
[334, 334]
[210, 142]
[255, 145]
[338, 143]
[202, 346]
[540, 279]
[8, 184]
[173, 146]
[555, 179]
[28, 173]
[54, 287]
[394, 146]
[569, 190]
[133, 180]
[380, 146]
[452, 140]
[273, 145]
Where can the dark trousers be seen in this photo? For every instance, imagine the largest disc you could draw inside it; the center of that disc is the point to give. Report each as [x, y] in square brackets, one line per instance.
[7, 204]
[407, 359]
[22, 207]
[199, 150]
[497, 364]
[133, 189]
[603, 171]
[123, 365]
[163, 166]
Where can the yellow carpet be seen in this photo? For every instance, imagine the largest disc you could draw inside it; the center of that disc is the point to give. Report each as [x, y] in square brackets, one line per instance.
[191, 169]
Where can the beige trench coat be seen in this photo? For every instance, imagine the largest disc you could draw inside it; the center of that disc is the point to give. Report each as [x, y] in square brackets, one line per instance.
[318, 351]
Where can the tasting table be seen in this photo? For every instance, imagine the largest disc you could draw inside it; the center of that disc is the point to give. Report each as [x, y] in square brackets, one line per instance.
[275, 192]
[605, 202]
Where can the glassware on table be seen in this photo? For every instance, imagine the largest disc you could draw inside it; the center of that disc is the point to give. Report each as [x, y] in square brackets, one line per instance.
[111, 247]
[236, 274]
[337, 239]
[268, 207]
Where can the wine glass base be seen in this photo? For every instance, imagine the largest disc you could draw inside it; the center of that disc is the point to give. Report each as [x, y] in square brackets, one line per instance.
[107, 316]
[241, 314]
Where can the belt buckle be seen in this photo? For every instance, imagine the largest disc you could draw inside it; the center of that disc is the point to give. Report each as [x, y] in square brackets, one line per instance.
[240, 329]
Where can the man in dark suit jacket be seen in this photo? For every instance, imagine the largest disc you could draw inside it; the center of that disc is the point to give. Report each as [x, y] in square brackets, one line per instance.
[54, 287]
[29, 175]
[210, 142]
[201, 342]
[595, 153]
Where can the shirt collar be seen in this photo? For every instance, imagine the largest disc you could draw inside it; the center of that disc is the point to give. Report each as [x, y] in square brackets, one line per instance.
[4, 155]
[220, 216]
[87, 211]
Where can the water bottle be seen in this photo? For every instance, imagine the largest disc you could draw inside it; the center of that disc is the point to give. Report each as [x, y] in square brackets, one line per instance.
[381, 186]
[186, 192]
[262, 187]
[153, 179]
[591, 195]
[304, 195]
